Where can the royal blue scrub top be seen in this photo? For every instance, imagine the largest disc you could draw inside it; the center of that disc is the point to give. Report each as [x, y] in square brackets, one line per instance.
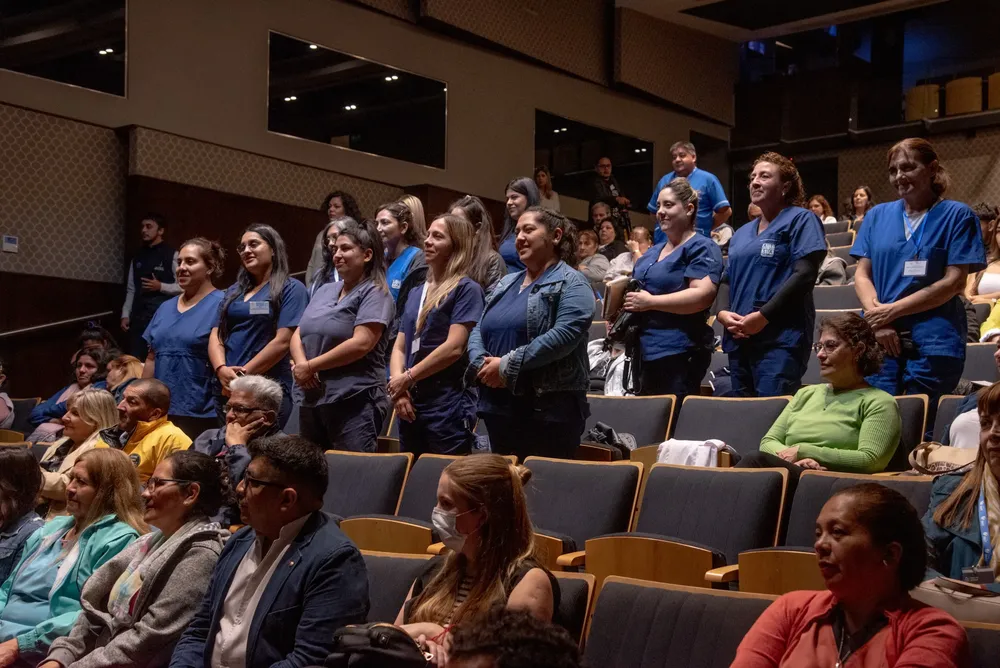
[759, 264]
[950, 235]
[180, 343]
[462, 306]
[400, 267]
[251, 326]
[711, 198]
[329, 321]
[669, 333]
[508, 251]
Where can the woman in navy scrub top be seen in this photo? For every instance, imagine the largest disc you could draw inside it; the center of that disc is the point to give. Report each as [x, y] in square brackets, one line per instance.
[257, 317]
[766, 302]
[340, 346]
[178, 338]
[529, 350]
[521, 194]
[914, 257]
[402, 238]
[437, 411]
[680, 278]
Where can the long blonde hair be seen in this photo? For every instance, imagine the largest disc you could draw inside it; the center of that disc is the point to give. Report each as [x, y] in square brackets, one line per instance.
[116, 480]
[494, 485]
[418, 224]
[462, 236]
[95, 407]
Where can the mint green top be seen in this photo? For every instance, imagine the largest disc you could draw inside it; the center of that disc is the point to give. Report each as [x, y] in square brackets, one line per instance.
[852, 431]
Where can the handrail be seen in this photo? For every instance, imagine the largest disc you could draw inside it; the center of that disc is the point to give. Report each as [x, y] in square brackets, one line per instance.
[58, 323]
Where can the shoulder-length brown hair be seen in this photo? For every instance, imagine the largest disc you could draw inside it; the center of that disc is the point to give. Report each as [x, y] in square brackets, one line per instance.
[20, 480]
[493, 484]
[114, 477]
[827, 209]
[925, 153]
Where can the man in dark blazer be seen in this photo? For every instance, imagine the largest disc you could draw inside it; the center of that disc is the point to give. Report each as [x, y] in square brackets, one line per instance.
[285, 582]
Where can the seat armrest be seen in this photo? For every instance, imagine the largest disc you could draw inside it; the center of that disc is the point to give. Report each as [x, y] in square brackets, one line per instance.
[572, 559]
[723, 574]
[436, 548]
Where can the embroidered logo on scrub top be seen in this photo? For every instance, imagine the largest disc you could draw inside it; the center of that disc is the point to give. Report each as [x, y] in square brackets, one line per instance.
[767, 249]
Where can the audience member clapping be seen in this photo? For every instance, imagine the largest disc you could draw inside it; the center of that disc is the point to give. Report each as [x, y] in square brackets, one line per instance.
[19, 484]
[40, 600]
[122, 370]
[89, 369]
[136, 606]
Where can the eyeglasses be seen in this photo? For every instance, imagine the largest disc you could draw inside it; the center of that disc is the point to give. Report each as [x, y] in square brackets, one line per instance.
[242, 411]
[257, 482]
[828, 347]
[154, 482]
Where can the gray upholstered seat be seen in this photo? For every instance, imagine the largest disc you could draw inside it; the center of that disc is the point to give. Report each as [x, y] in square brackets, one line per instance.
[646, 418]
[365, 483]
[836, 297]
[740, 423]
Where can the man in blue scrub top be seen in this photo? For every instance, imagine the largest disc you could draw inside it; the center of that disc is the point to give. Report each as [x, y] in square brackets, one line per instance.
[713, 207]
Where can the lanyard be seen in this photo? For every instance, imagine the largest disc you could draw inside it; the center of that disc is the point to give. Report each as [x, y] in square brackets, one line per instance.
[916, 235]
[423, 296]
[984, 526]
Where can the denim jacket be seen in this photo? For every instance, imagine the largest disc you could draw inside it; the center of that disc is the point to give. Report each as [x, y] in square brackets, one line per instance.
[560, 310]
[13, 539]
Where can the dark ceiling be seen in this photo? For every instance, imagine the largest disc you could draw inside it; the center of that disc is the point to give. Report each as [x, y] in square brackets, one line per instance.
[760, 14]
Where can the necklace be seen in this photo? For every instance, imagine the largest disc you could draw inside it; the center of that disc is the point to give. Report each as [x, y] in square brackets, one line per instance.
[841, 657]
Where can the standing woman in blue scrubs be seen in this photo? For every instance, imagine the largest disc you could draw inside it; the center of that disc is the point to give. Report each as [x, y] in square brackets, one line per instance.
[257, 317]
[429, 359]
[766, 296]
[680, 278]
[914, 257]
[340, 346]
[402, 238]
[522, 194]
[178, 337]
[529, 350]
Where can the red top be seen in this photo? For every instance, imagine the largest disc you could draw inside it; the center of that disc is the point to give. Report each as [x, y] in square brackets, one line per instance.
[796, 630]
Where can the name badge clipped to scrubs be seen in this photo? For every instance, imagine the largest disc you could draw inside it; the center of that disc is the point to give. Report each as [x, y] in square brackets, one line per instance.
[260, 308]
[415, 346]
[915, 268]
[767, 249]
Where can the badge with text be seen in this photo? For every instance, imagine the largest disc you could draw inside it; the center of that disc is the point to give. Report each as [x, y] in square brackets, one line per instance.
[415, 346]
[767, 249]
[260, 308]
[915, 268]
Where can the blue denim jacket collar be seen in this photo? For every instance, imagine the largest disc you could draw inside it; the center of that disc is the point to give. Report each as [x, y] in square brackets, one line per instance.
[30, 517]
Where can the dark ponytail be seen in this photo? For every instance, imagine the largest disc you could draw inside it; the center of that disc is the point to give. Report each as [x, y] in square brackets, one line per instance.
[212, 476]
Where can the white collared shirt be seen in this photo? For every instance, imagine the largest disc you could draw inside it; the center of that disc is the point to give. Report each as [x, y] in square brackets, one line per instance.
[249, 583]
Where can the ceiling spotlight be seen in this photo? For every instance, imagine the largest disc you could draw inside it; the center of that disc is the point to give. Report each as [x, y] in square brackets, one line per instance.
[446, 89]
[388, 78]
[556, 131]
[102, 51]
[637, 151]
[292, 97]
[643, 150]
[313, 47]
[564, 129]
[109, 50]
[394, 77]
[350, 107]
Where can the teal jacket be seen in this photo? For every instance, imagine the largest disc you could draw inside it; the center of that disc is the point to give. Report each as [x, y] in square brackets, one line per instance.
[98, 543]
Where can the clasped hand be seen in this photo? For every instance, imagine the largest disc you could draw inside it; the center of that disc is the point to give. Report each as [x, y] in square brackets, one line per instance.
[304, 376]
[489, 374]
[742, 326]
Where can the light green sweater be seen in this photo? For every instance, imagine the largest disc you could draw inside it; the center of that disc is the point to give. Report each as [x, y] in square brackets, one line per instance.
[854, 431]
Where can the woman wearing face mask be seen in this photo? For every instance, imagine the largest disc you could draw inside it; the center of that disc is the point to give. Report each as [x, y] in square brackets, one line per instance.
[337, 204]
[529, 350]
[680, 279]
[488, 265]
[521, 194]
[765, 299]
[178, 337]
[257, 317]
[482, 517]
[123, 370]
[611, 245]
[20, 481]
[861, 203]
[339, 350]
[40, 600]
[89, 370]
[87, 414]
[429, 358]
[871, 553]
[402, 241]
[914, 257]
[136, 606]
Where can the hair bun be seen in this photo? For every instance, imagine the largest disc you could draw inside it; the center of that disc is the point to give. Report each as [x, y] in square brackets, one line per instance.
[522, 472]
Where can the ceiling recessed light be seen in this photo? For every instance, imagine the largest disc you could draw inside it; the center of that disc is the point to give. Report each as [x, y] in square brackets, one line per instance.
[109, 50]
[313, 47]
[446, 89]
[102, 51]
[643, 150]
[292, 97]
[388, 78]
[637, 150]
[564, 129]
[394, 77]
[556, 131]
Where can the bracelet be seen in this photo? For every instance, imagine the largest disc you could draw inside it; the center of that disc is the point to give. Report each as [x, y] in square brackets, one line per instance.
[219, 367]
[410, 376]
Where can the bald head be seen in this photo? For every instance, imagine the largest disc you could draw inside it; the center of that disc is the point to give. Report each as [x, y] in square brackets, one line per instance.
[154, 393]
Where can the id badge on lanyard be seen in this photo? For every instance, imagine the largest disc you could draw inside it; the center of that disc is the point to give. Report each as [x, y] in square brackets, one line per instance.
[415, 346]
[984, 527]
[915, 268]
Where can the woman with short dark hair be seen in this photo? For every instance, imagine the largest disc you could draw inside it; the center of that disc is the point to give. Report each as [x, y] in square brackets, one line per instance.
[862, 201]
[521, 194]
[338, 204]
[90, 368]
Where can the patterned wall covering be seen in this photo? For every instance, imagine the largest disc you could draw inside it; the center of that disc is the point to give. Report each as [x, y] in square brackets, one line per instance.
[181, 160]
[569, 34]
[62, 192]
[398, 8]
[683, 66]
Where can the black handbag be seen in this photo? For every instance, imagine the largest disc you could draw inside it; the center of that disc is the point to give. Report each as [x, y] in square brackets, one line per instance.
[625, 331]
[375, 646]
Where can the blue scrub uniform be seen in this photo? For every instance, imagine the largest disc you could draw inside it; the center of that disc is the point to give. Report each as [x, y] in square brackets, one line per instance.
[347, 411]
[180, 343]
[772, 362]
[676, 349]
[711, 198]
[508, 251]
[950, 235]
[400, 267]
[251, 325]
[445, 407]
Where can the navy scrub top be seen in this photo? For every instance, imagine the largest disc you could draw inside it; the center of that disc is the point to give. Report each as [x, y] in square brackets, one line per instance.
[664, 333]
[463, 306]
[950, 235]
[508, 251]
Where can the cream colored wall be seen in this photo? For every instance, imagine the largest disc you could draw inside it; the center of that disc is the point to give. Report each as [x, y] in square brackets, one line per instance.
[199, 70]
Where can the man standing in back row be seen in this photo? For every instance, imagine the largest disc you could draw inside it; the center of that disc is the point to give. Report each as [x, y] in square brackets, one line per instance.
[151, 282]
[713, 207]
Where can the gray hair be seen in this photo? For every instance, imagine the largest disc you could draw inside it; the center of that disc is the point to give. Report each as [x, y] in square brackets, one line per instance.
[263, 389]
[604, 204]
[686, 145]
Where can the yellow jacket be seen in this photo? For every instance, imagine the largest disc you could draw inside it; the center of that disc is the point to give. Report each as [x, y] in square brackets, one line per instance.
[991, 327]
[149, 444]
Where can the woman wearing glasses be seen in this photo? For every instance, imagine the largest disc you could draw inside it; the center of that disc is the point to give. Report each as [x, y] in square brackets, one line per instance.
[844, 424]
[136, 605]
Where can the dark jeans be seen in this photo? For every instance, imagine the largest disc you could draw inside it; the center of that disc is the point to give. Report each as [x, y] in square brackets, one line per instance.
[526, 436]
[765, 460]
[676, 374]
[762, 371]
[352, 424]
[193, 426]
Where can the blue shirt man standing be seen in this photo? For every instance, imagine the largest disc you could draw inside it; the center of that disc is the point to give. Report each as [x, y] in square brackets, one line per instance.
[713, 207]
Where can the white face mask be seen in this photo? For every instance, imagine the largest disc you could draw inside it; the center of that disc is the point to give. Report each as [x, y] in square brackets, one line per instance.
[444, 524]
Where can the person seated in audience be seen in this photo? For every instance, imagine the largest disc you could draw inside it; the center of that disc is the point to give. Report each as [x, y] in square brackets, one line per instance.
[843, 424]
[136, 606]
[6, 405]
[95, 337]
[251, 414]
[87, 413]
[622, 265]
[592, 264]
[990, 329]
[983, 287]
[20, 481]
[549, 198]
[40, 599]
[482, 518]
[529, 355]
[862, 201]
[122, 370]
[611, 243]
[987, 215]
[403, 242]
[512, 639]
[833, 271]
[954, 522]
[822, 208]
[143, 431]
[871, 551]
[287, 580]
[488, 266]
[337, 204]
[339, 349]
[521, 194]
[89, 369]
